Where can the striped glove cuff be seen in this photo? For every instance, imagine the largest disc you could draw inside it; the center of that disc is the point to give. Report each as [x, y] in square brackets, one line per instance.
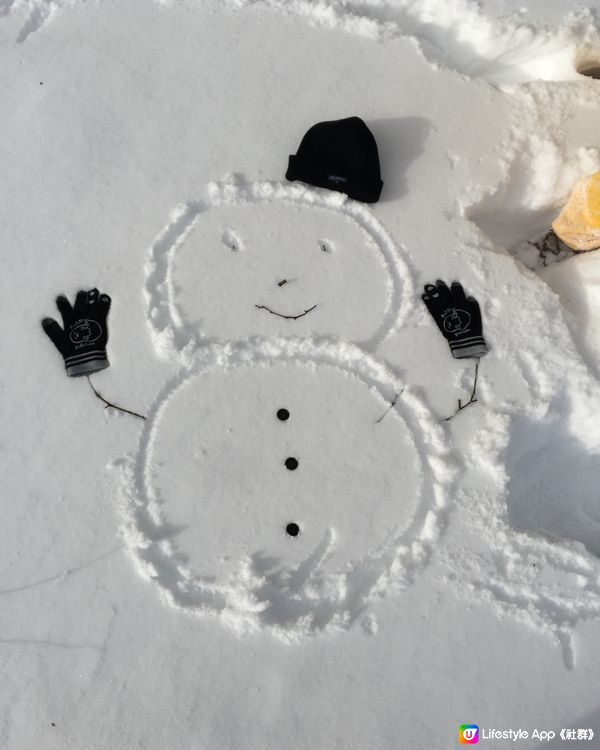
[474, 346]
[86, 364]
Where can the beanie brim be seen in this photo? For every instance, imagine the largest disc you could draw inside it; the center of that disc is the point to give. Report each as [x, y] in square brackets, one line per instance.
[360, 189]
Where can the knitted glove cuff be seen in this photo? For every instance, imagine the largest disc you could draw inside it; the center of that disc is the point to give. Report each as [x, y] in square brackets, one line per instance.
[474, 346]
[86, 364]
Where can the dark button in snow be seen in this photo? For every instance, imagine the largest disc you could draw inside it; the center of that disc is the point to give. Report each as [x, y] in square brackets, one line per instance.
[292, 529]
[283, 414]
[291, 463]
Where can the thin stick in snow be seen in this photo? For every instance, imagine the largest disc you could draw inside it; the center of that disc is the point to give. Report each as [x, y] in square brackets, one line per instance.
[390, 407]
[287, 317]
[472, 398]
[113, 406]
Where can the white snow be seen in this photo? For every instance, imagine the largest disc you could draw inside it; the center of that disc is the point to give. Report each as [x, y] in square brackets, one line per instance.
[446, 572]
[225, 498]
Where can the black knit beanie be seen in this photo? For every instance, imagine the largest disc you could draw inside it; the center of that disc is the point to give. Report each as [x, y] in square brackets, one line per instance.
[340, 155]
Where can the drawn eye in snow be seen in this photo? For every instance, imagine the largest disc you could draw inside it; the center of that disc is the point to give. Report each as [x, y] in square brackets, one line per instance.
[231, 241]
[86, 332]
[456, 320]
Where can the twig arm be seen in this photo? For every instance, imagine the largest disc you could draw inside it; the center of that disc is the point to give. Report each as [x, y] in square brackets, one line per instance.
[472, 397]
[111, 405]
[390, 407]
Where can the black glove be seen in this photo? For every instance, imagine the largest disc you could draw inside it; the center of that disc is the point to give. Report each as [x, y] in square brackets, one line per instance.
[82, 340]
[458, 318]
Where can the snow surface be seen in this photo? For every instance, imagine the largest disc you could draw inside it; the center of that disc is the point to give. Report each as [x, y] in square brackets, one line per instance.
[447, 572]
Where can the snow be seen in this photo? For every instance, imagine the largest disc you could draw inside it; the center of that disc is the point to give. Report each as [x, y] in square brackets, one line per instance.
[446, 572]
[229, 496]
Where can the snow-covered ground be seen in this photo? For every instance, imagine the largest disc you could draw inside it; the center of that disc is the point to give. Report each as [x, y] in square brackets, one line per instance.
[446, 572]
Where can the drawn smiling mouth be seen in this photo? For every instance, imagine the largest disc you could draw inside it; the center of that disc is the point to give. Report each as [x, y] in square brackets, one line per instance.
[281, 315]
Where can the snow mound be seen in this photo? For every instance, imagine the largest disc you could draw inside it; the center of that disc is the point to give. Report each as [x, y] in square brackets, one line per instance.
[552, 141]
[528, 545]
[577, 283]
[553, 468]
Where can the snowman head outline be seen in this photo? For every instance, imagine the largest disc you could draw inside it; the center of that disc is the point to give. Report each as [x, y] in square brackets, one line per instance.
[174, 336]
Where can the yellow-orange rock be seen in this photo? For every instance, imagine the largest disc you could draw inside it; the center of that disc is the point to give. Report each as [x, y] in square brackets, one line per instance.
[578, 224]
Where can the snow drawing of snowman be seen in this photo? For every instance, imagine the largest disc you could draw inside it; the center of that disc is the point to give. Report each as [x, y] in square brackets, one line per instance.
[280, 426]
[238, 498]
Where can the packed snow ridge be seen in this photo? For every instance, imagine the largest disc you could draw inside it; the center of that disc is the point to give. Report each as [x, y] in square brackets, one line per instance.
[458, 35]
